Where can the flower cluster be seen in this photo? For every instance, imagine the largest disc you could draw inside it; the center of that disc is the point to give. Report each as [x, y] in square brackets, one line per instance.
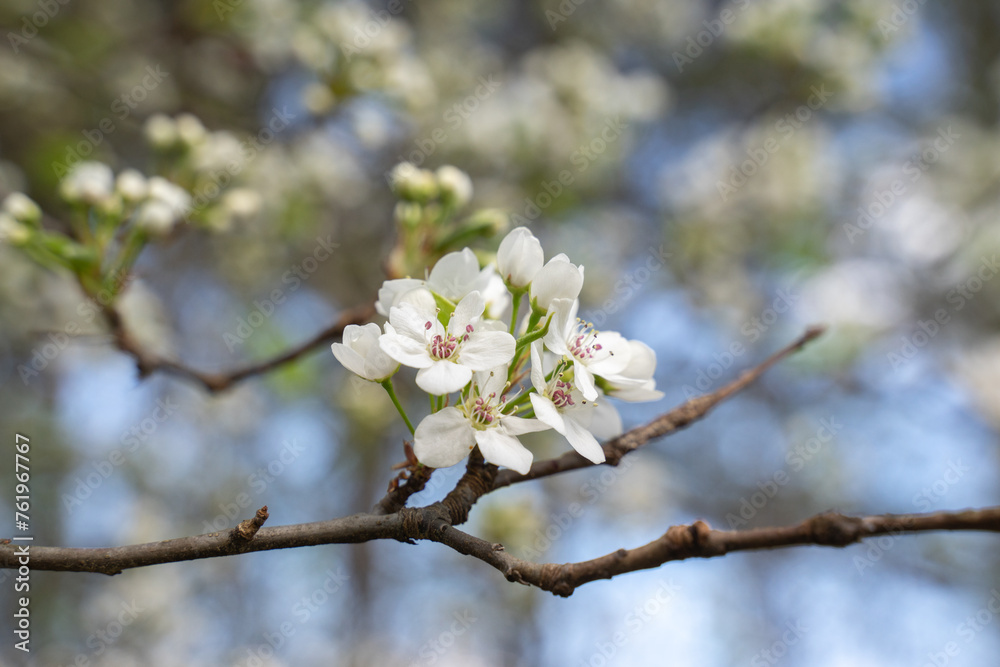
[459, 328]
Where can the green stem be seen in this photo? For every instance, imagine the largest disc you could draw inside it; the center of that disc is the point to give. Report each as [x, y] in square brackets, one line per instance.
[513, 313]
[387, 384]
[516, 293]
[531, 337]
[132, 245]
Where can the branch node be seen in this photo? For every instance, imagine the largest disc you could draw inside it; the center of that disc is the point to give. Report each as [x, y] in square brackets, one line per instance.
[413, 522]
[835, 530]
[247, 528]
[553, 578]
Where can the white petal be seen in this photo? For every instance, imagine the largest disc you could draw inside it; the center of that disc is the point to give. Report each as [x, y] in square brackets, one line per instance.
[547, 412]
[492, 381]
[584, 381]
[350, 359]
[504, 450]
[641, 393]
[642, 361]
[583, 441]
[563, 313]
[410, 322]
[605, 422]
[443, 377]
[468, 310]
[391, 291]
[519, 425]
[537, 371]
[496, 295]
[443, 438]
[405, 350]
[422, 300]
[613, 356]
[519, 257]
[559, 279]
[454, 274]
[379, 365]
[487, 349]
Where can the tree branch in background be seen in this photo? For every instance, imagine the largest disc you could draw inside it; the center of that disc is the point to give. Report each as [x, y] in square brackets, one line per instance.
[149, 363]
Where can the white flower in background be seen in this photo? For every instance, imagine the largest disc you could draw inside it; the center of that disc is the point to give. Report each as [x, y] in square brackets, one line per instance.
[496, 295]
[88, 183]
[12, 231]
[216, 151]
[558, 279]
[155, 217]
[160, 131]
[21, 207]
[361, 354]
[635, 382]
[410, 182]
[131, 185]
[593, 352]
[520, 258]
[561, 405]
[190, 130]
[242, 202]
[454, 184]
[446, 437]
[446, 356]
[453, 277]
[166, 205]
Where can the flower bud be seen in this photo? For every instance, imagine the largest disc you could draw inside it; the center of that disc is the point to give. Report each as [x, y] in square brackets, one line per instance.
[22, 208]
[455, 186]
[519, 257]
[131, 185]
[12, 231]
[88, 183]
[413, 184]
[160, 131]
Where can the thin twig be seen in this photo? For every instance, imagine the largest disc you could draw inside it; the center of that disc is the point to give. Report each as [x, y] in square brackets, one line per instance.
[149, 363]
[680, 417]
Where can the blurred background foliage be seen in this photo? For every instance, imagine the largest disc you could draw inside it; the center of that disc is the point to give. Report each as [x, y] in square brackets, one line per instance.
[791, 161]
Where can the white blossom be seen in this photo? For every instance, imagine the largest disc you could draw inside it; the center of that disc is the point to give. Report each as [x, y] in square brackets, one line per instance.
[446, 356]
[22, 208]
[558, 279]
[635, 382]
[520, 257]
[446, 437]
[560, 404]
[88, 183]
[592, 352]
[361, 354]
[454, 184]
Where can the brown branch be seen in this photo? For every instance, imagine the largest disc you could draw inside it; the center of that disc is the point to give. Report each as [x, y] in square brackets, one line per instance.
[680, 417]
[474, 484]
[149, 363]
[113, 560]
[398, 494]
[433, 523]
[700, 541]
